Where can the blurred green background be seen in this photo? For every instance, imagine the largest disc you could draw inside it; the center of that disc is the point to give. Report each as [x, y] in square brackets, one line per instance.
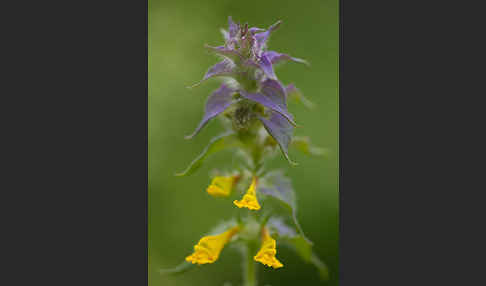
[180, 211]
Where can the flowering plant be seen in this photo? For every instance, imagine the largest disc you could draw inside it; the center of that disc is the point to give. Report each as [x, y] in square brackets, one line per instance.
[252, 104]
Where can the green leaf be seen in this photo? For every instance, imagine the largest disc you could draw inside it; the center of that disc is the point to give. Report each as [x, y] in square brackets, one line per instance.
[287, 233]
[296, 94]
[304, 145]
[221, 142]
[289, 236]
[303, 248]
[179, 269]
[277, 186]
[321, 266]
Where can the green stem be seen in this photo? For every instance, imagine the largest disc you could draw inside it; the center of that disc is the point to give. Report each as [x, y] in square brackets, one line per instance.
[250, 269]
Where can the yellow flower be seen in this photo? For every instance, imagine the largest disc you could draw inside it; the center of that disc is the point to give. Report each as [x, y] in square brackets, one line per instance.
[266, 254]
[221, 186]
[249, 200]
[209, 247]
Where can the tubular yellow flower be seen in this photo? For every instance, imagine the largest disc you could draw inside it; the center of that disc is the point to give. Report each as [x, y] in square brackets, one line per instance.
[266, 254]
[221, 186]
[249, 200]
[209, 247]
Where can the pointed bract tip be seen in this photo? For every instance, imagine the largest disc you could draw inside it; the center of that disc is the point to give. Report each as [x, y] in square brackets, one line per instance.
[310, 104]
[275, 26]
[290, 120]
[305, 63]
[292, 163]
[244, 30]
[194, 85]
[209, 47]
[308, 240]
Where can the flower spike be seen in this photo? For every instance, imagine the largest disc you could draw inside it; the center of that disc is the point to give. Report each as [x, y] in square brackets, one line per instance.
[252, 105]
[266, 254]
[249, 200]
[209, 247]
